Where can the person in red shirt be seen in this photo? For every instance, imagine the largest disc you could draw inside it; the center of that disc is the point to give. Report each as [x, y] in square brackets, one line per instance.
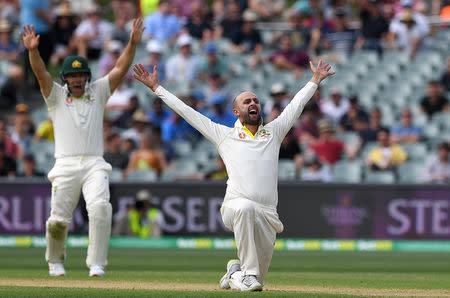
[327, 148]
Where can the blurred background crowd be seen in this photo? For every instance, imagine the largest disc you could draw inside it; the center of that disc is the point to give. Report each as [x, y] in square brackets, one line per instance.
[383, 118]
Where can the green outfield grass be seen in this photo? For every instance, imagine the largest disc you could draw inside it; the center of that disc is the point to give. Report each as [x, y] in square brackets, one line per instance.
[309, 274]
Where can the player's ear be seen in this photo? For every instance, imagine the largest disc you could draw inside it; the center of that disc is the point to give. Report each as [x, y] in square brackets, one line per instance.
[236, 113]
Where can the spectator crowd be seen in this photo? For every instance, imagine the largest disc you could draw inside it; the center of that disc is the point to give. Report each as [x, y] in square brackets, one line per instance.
[206, 52]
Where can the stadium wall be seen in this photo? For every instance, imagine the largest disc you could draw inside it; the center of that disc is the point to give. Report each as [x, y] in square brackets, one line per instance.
[309, 211]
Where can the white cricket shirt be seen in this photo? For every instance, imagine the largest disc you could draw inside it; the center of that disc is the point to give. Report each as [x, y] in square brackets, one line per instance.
[251, 160]
[78, 122]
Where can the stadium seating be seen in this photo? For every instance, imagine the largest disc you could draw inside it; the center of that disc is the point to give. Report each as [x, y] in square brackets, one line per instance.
[347, 171]
[385, 177]
[411, 172]
[147, 175]
[287, 170]
[116, 175]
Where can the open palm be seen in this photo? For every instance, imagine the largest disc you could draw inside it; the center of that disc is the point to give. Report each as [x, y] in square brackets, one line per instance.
[321, 71]
[29, 37]
[142, 75]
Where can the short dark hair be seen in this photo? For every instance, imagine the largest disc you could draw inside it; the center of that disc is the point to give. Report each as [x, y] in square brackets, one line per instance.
[444, 145]
[384, 129]
[29, 158]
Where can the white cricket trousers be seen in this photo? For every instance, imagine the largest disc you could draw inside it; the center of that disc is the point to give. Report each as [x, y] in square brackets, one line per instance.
[70, 176]
[255, 227]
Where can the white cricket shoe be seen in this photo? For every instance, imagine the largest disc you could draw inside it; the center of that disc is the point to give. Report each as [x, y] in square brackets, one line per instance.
[251, 284]
[232, 267]
[56, 269]
[96, 271]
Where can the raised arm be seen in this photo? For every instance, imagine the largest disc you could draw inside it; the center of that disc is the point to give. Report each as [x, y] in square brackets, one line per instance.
[212, 131]
[290, 114]
[124, 62]
[31, 42]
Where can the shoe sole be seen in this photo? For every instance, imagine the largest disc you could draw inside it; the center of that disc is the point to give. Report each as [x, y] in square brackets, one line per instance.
[226, 275]
[57, 275]
[256, 289]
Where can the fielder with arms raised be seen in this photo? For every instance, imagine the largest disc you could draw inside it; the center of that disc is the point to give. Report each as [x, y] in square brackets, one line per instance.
[250, 152]
[77, 109]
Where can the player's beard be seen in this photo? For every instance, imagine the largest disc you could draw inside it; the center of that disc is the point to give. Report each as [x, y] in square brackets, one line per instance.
[253, 120]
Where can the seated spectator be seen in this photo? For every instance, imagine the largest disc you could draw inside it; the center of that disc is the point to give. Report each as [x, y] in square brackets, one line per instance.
[23, 129]
[113, 152]
[128, 146]
[140, 126]
[434, 101]
[316, 172]
[216, 86]
[247, 39]
[162, 25]
[280, 96]
[8, 165]
[336, 106]
[147, 156]
[10, 52]
[290, 149]
[166, 147]
[342, 39]
[212, 63]
[288, 58]
[183, 67]
[124, 119]
[232, 21]
[386, 156]
[406, 132]
[370, 133]
[445, 79]
[176, 128]
[356, 119]
[220, 114]
[306, 131]
[120, 101]
[119, 30]
[197, 23]
[29, 168]
[155, 49]
[327, 148]
[92, 33]
[11, 148]
[108, 61]
[158, 114]
[437, 170]
[142, 221]
[45, 131]
[404, 34]
[304, 35]
[268, 10]
[220, 173]
[374, 27]
[62, 32]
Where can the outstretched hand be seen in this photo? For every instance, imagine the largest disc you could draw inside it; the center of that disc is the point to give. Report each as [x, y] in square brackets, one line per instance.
[320, 72]
[136, 31]
[148, 79]
[29, 37]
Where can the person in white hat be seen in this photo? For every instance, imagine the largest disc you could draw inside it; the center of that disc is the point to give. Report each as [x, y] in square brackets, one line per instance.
[92, 33]
[250, 152]
[184, 66]
[155, 57]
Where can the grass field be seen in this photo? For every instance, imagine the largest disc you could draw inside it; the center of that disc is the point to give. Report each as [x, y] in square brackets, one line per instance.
[142, 272]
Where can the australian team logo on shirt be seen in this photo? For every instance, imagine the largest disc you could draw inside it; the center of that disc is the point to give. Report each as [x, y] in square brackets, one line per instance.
[264, 133]
[87, 99]
[242, 135]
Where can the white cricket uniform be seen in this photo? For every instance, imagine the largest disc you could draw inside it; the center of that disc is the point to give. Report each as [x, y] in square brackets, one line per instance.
[79, 166]
[249, 207]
